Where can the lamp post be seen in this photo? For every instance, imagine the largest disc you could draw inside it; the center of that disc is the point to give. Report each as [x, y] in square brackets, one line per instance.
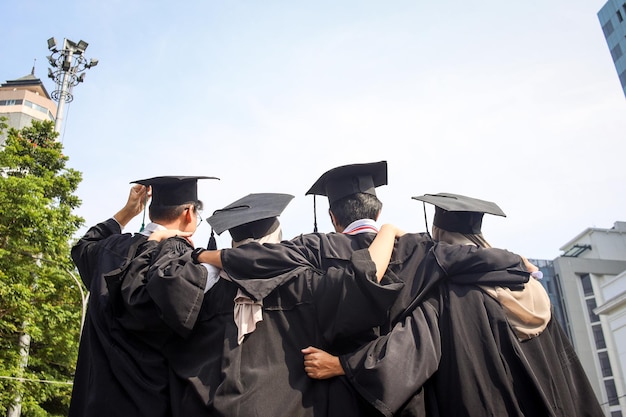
[68, 66]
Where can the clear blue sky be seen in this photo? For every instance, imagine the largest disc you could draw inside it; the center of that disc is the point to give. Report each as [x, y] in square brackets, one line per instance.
[513, 102]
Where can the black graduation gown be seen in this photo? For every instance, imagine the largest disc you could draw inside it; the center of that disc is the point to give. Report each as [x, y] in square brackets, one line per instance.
[416, 260]
[459, 335]
[308, 303]
[116, 373]
[315, 293]
[485, 369]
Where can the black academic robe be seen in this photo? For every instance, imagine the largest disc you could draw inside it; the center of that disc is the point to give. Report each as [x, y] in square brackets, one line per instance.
[117, 374]
[416, 260]
[306, 301]
[486, 370]
[315, 292]
[456, 355]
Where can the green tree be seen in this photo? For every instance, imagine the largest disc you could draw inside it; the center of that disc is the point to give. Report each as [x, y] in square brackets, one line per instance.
[40, 298]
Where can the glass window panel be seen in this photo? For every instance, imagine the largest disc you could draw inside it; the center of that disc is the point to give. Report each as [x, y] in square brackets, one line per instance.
[611, 392]
[605, 364]
[591, 304]
[608, 29]
[598, 335]
[587, 287]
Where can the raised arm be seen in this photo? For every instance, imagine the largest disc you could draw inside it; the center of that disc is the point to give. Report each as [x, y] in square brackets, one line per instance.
[382, 247]
[137, 198]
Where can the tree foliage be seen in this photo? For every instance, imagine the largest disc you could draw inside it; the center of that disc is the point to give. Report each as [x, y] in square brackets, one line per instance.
[39, 295]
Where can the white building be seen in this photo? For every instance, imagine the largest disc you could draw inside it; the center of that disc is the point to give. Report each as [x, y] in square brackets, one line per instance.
[612, 18]
[24, 100]
[592, 276]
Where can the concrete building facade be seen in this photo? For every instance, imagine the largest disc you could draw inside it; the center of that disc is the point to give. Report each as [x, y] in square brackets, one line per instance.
[592, 276]
[24, 100]
[612, 17]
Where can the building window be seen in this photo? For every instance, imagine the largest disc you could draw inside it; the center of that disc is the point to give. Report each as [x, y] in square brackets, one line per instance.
[35, 106]
[619, 16]
[605, 364]
[12, 102]
[587, 286]
[607, 28]
[611, 391]
[591, 305]
[616, 53]
[598, 335]
[616, 413]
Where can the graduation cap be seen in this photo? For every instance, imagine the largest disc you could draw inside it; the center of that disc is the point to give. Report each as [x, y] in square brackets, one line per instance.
[173, 190]
[252, 216]
[346, 180]
[350, 179]
[458, 213]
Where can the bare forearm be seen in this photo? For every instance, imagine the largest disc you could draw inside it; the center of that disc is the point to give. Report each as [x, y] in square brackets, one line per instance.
[382, 247]
[211, 257]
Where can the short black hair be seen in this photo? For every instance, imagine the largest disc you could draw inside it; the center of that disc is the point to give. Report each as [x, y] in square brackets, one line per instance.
[355, 207]
[170, 213]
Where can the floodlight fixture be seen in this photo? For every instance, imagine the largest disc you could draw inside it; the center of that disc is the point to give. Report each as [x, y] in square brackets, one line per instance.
[82, 45]
[52, 44]
[68, 66]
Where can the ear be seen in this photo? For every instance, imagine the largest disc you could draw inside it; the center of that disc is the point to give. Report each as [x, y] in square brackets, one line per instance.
[338, 227]
[187, 214]
[332, 217]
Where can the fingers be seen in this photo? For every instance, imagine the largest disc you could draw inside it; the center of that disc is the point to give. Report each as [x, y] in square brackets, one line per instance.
[309, 350]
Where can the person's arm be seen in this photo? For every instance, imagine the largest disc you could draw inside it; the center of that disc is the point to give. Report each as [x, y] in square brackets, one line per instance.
[211, 257]
[87, 249]
[137, 198]
[382, 247]
[162, 285]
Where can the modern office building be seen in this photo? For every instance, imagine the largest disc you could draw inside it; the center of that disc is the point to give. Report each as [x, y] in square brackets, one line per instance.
[591, 274]
[24, 100]
[612, 18]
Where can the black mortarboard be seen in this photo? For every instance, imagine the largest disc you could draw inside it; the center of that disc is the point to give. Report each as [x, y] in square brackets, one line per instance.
[458, 213]
[350, 179]
[252, 216]
[173, 190]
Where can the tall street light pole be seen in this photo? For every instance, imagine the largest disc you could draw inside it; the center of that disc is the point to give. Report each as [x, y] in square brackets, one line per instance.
[68, 66]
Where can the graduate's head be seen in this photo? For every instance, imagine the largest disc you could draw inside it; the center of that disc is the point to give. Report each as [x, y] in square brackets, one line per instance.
[174, 198]
[351, 191]
[251, 218]
[458, 217]
[354, 207]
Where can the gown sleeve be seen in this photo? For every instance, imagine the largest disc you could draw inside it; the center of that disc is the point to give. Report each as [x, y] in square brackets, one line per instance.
[390, 370]
[86, 251]
[163, 286]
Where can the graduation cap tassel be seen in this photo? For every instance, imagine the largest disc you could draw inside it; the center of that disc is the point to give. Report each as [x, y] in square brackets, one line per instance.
[426, 221]
[212, 245]
[143, 221]
[314, 215]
